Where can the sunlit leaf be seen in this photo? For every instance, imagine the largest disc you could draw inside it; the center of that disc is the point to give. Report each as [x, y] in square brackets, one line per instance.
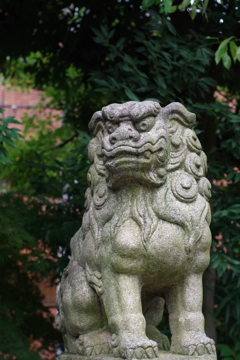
[167, 5]
[227, 62]
[233, 50]
[205, 5]
[193, 12]
[222, 49]
[238, 53]
[173, 9]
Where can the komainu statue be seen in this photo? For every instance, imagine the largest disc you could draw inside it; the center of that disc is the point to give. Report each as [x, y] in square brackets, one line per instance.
[144, 239]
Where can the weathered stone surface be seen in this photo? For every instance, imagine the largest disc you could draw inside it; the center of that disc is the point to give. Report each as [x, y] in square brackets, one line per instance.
[144, 239]
[163, 355]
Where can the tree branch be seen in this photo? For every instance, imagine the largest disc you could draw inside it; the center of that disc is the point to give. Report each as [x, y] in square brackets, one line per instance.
[61, 144]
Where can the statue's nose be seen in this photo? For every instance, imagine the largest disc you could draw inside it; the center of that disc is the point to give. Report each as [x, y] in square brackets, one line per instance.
[124, 132]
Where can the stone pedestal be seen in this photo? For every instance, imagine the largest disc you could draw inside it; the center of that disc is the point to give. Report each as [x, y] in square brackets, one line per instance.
[163, 355]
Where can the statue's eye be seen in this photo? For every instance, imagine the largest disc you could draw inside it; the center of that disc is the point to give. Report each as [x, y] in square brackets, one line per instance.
[145, 124]
[111, 127]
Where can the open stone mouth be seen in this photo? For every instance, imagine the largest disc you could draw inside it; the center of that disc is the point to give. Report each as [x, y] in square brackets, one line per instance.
[123, 155]
[130, 152]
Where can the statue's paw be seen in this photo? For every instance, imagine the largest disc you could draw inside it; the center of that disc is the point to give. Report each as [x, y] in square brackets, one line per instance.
[96, 342]
[97, 350]
[154, 334]
[198, 344]
[165, 342]
[133, 348]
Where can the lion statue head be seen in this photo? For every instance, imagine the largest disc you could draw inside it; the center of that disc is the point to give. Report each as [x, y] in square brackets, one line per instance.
[143, 143]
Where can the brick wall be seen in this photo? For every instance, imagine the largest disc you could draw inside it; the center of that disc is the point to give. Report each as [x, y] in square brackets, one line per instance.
[17, 103]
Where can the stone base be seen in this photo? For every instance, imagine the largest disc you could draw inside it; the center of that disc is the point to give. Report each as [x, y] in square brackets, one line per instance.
[163, 355]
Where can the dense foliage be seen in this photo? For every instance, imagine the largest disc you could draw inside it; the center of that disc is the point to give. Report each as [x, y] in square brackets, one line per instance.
[85, 55]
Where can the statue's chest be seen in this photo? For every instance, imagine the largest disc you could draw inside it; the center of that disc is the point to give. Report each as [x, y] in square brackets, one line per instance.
[166, 251]
[130, 250]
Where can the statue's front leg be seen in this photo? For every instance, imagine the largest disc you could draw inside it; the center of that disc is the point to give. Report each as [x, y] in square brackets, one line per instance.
[184, 302]
[122, 303]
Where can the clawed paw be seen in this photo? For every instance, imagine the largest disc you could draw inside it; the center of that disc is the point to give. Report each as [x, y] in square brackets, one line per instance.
[97, 350]
[135, 348]
[198, 345]
[96, 342]
[154, 334]
[202, 349]
[165, 342]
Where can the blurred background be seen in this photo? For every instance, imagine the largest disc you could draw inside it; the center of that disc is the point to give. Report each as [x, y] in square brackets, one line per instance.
[60, 61]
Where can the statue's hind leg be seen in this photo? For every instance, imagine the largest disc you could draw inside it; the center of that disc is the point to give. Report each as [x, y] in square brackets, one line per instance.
[153, 317]
[80, 316]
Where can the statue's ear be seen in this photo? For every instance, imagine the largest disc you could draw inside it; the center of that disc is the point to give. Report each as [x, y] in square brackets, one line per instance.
[185, 149]
[176, 111]
[97, 123]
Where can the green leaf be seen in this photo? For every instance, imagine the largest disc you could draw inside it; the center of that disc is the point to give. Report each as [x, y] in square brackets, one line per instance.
[209, 81]
[141, 74]
[205, 5]
[111, 33]
[222, 49]
[101, 82]
[147, 3]
[129, 59]
[72, 72]
[104, 31]
[15, 130]
[227, 62]
[32, 164]
[102, 90]
[167, 5]
[171, 28]
[12, 134]
[233, 50]
[226, 351]
[173, 9]
[222, 305]
[127, 68]
[120, 43]
[10, 120]
[5, 160]
[193, 13]
[221, 269]
[183, 5]
[100, 40]
[211, 38]
[76, 167]
[235, 268]
[238, 53]
[160, 81]
[8, 141]
[96, 32]
[131, 95]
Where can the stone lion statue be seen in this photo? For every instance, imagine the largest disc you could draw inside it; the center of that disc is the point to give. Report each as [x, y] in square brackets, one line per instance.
[144, 239]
